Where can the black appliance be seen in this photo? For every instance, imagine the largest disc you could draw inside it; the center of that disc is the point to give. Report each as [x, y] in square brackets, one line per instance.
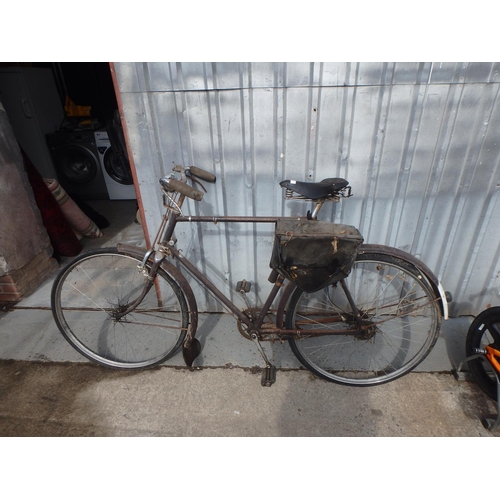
[76, 160]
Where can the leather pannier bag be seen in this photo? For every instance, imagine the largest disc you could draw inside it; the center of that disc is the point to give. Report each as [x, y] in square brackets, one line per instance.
[314, 254]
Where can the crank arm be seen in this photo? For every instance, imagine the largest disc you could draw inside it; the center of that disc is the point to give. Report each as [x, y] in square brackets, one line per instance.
[261, 350]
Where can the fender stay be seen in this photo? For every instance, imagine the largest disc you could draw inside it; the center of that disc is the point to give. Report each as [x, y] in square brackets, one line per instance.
[407, 257]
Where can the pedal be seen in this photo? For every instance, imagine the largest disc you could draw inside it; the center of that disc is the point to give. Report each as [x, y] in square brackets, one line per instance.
[268, 376]
[243, 286]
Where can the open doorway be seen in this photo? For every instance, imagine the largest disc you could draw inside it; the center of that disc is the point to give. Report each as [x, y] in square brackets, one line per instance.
[65, 118]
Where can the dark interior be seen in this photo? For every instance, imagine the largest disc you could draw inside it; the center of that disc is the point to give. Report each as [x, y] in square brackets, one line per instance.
[78, 138]
[86, 84]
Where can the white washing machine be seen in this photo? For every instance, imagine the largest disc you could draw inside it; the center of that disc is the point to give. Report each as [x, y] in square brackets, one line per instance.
[116, 170]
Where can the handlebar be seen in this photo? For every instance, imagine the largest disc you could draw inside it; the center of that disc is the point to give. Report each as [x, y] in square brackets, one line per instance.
[201, 174]
[181, 187]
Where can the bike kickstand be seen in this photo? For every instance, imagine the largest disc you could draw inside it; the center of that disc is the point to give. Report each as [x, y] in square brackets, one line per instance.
[269, 373]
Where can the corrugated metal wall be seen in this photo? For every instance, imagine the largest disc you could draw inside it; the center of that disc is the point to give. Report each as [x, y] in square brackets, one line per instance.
[418, 142]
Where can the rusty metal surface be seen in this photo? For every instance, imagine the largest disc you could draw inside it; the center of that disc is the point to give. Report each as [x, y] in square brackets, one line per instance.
[418, 143]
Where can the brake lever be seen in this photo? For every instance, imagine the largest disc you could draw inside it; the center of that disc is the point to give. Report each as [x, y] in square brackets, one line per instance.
[197, 182]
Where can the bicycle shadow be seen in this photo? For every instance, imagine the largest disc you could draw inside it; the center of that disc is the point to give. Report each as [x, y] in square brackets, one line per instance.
[223, 345]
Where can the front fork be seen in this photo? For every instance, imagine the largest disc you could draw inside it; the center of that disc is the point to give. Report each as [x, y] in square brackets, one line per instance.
[150, 278]
[165, 234]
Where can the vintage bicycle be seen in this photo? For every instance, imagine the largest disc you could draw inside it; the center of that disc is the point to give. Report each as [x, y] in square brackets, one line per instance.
[352, 313]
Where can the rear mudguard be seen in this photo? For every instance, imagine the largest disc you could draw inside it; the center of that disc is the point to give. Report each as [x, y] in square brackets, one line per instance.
[177, 276]
[437, 288]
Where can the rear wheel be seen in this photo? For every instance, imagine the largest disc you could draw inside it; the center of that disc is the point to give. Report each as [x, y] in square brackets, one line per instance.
[400, 318]
[483, 331]
[91, 292]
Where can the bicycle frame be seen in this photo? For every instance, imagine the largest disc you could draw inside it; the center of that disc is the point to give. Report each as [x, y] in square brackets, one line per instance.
[167, 247]
[164, 246]
[493, 355]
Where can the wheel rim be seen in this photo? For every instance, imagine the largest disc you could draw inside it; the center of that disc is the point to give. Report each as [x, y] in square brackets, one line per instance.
[90, 293]
[399, 314]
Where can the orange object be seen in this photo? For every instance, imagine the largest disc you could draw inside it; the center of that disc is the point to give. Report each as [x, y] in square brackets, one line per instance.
[492, 354]
[73, 109]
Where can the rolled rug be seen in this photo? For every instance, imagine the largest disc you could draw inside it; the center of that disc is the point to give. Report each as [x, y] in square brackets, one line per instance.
[62, 237]
[76, 218]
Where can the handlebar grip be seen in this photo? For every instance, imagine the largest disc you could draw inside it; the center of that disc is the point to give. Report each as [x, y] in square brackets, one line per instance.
[202, 174]
[181, 187]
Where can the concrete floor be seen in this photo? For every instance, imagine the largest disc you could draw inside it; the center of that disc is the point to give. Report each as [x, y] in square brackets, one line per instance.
[50, 390]
[73, 399]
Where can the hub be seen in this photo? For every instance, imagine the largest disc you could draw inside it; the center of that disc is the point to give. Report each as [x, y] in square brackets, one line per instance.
[369, 331]
[117, 312]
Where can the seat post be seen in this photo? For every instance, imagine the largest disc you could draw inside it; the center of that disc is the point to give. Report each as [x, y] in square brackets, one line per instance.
[314, 215]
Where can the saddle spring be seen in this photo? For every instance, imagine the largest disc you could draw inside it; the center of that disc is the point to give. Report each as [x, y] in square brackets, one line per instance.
[341, 193]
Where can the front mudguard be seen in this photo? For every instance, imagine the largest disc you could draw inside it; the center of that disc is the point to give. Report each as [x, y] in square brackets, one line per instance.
[437, 288]
[177, 276]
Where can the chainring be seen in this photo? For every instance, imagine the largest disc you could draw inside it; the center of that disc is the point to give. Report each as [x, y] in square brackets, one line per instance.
[252, 313]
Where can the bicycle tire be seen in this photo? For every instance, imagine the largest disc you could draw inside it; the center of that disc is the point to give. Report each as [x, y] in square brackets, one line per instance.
[393, 298]
[97, 284]
[478, 336]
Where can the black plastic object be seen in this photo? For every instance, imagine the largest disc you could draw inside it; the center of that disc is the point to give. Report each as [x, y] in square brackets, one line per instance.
[268, 376]
[191, 353]
[314, 254]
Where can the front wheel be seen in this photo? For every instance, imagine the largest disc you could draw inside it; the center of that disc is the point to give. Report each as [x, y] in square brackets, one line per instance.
[397, 328]
[483, 331]
[91, 292]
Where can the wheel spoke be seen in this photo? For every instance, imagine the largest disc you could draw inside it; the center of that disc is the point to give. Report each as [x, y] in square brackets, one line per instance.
[400, 319]
[88, 294]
